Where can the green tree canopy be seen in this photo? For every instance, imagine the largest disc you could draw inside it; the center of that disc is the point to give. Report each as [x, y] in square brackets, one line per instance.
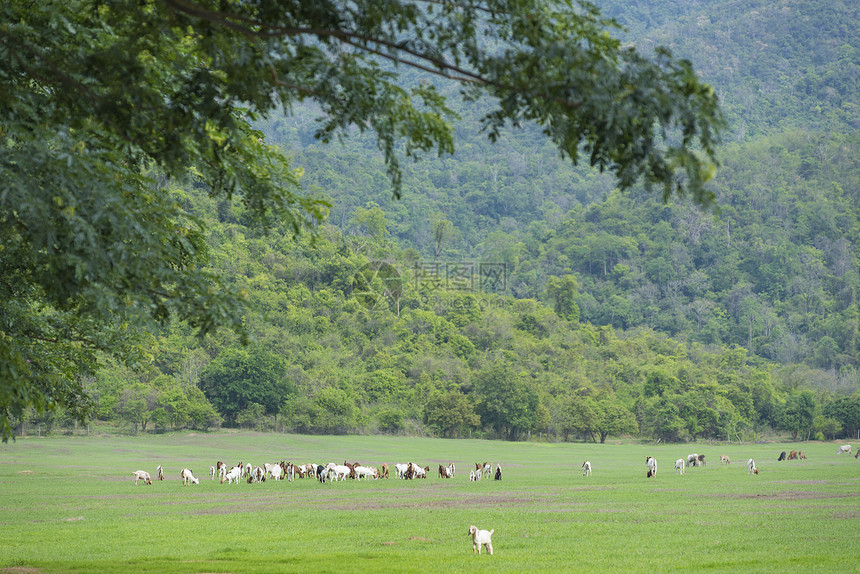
[105, 104]
[239, 378]
[450, 413]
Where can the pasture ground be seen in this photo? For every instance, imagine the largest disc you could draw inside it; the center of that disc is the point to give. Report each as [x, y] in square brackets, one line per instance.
[69, 504]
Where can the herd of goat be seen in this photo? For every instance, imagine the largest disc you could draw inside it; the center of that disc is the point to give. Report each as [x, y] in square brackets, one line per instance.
[331, 472]
[336, 472]
[696, 459]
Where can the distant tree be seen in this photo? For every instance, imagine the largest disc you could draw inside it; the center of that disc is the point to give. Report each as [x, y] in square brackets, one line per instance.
[845, 410]
[335, 411]
[506, 401]
[239, 377]
[443, 232]
[798, 414]
[563, 291]
[615, 419]
[451, 414]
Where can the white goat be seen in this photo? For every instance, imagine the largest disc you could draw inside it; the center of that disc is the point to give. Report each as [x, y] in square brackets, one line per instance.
[488, 472]
[159, 472]
[586, 468]
[401, 469]
[481, 538]
[844, 449]
[652, 465]
[417, 471]
[365, 471]
[234, 473]
[337, 471]
[274, 470]
[751, 469]
[212, 472]
[680, 465]
[188, 476]
[141, 475]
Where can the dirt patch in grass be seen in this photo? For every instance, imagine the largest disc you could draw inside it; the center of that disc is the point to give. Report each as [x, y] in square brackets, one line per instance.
[802, 482]
[21, 570]
[793, 495]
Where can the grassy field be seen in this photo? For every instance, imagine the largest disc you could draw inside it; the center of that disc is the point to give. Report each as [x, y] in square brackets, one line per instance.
[70, 505]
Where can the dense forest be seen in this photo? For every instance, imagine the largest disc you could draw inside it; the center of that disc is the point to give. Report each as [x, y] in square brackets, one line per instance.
[510, 294]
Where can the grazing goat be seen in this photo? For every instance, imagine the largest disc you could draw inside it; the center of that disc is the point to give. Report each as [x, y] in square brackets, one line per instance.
[693, 459]
[234, 473]
[400, 469]
[701, 460]
[188, 476]
[365, 471]
[488, 470]
[586, 468]
[258, 475]
[160, 472]
[141, 475]
[473, 477]
[781, 456]
[680, 465]
[792, 455]
[481, 538]
[417, 471]
[212, 472]
[323, 473]
[724, 458]
[273, 470]
[444, 472]
[337, 471]
[289, 470]
[844, 449]
[498, 472]
[751, 469]
[384, 472]
[800, 455]
[652, 466]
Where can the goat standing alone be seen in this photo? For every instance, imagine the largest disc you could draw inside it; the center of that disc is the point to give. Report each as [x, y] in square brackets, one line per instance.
[751, 469]
[141, 475]
[586, 468]
[652, 466]
[188, 476]
[481, 538]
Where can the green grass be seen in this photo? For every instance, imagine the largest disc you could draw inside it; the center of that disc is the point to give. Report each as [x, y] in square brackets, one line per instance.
[70, 505]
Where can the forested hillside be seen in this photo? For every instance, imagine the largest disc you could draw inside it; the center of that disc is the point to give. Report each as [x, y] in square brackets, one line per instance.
[509, 293]
[773, 268]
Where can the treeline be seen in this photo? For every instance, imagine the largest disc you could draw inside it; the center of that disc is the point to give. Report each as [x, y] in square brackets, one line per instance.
[342, 344]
